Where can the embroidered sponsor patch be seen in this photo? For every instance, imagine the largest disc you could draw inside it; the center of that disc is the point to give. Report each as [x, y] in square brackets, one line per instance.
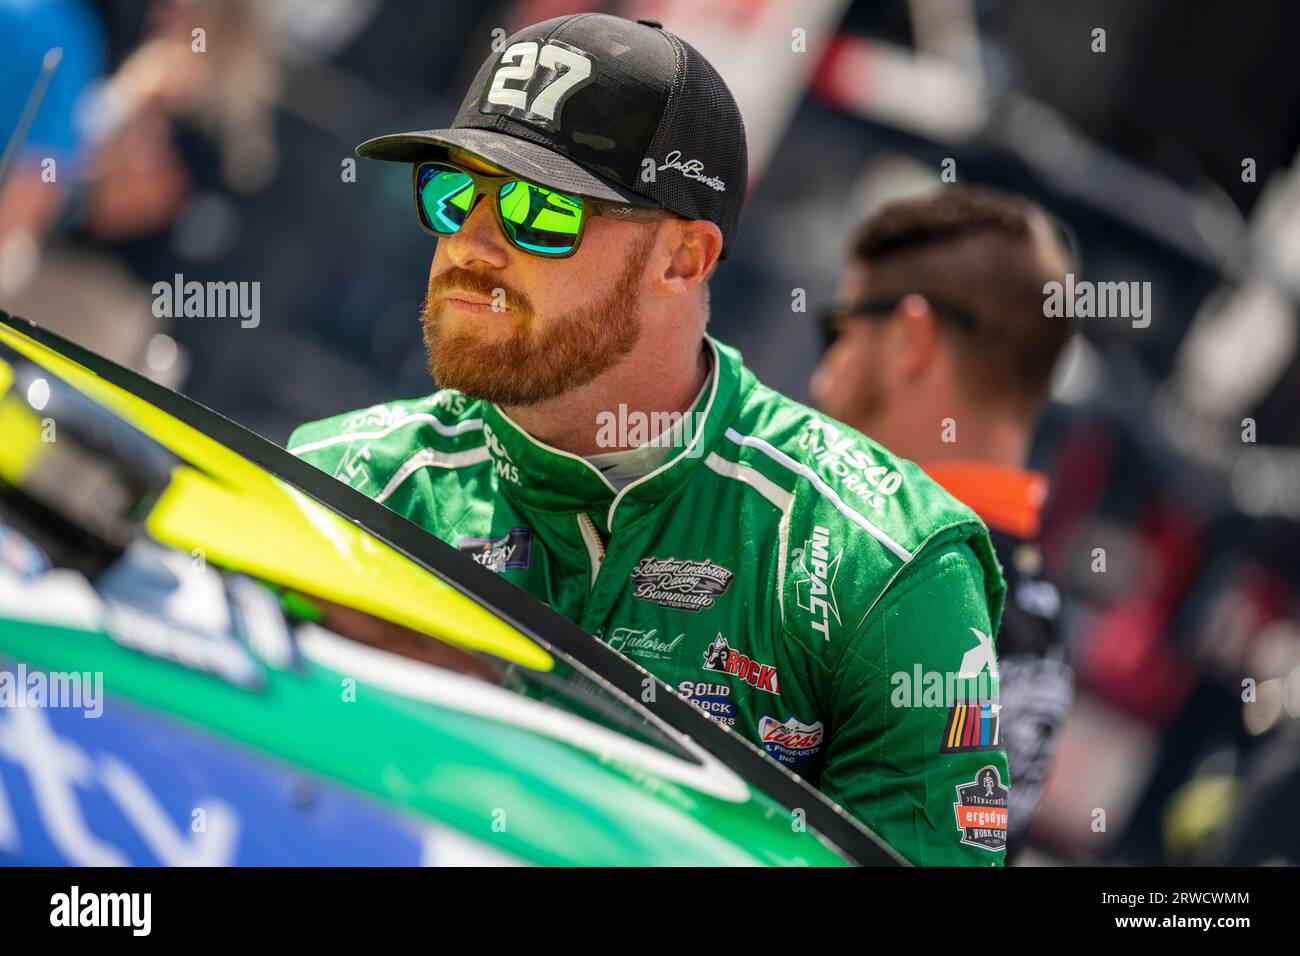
[972, 727]
[647, 645]
[790, 741]
[681, 585]
[981, 809]
[719, 656]
[714, 699]
[513, 550]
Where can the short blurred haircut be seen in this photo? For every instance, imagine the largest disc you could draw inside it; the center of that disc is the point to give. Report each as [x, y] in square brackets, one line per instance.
[991, 253]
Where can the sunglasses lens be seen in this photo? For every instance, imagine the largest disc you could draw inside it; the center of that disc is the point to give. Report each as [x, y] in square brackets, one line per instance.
[443, 198]
[540, 220]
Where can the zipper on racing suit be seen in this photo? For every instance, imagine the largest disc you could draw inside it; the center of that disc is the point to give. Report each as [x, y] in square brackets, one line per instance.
[595, 546]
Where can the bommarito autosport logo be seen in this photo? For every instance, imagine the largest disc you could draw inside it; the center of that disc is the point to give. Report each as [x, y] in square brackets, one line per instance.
[681, 585]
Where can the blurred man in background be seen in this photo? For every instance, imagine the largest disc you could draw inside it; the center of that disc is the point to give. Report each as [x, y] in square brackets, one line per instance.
[939, 349]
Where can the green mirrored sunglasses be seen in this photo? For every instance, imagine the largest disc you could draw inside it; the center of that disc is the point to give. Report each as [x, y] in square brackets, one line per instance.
[537, 220]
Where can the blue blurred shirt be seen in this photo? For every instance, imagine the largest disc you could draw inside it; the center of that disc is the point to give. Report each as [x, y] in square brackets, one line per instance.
[28, 28]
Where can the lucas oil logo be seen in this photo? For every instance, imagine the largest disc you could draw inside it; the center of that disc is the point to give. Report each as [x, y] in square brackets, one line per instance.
[681, 585]
[814, 581]
[714, 699]
[513, 550]
[981, 809]
[718, 656]
[790, 741]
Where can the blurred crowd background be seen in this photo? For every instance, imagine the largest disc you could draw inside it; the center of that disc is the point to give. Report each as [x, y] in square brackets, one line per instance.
[1171, 156]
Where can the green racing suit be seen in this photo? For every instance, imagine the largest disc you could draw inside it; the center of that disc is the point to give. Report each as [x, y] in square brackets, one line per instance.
[783, 572]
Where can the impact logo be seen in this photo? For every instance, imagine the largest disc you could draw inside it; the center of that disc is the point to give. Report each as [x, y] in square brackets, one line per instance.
[714, 699]
[681, 585]
[513, 550]
[718, 656]
[981, 809]
[792, 742]
[505, 467]
[814, 583]
[858, 472]
[972, 726]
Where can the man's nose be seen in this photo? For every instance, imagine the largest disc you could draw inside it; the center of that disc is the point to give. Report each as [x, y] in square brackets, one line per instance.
[479, 241]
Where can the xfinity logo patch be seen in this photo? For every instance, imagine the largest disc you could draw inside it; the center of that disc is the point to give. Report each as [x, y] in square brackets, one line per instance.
[513, 550]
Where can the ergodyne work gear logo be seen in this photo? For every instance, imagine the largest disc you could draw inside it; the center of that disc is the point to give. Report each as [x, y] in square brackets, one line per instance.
[981, 809]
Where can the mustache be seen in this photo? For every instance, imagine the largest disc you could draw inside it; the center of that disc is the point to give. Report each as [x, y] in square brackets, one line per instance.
[476, 283]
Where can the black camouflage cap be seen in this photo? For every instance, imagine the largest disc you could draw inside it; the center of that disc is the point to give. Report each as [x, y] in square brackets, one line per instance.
[602, 107]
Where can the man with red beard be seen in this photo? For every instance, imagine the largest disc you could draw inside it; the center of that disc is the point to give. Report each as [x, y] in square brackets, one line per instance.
[595, 446]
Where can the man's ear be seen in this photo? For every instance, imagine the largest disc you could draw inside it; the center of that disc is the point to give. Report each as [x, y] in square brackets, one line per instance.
[916, 335]
[691, 248]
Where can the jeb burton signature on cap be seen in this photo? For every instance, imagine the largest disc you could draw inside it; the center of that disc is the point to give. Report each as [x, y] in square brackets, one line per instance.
[691, 169]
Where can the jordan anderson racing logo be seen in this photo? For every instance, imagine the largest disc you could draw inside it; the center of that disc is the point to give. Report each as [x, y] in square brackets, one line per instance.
[681, 585]
[719, 656]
